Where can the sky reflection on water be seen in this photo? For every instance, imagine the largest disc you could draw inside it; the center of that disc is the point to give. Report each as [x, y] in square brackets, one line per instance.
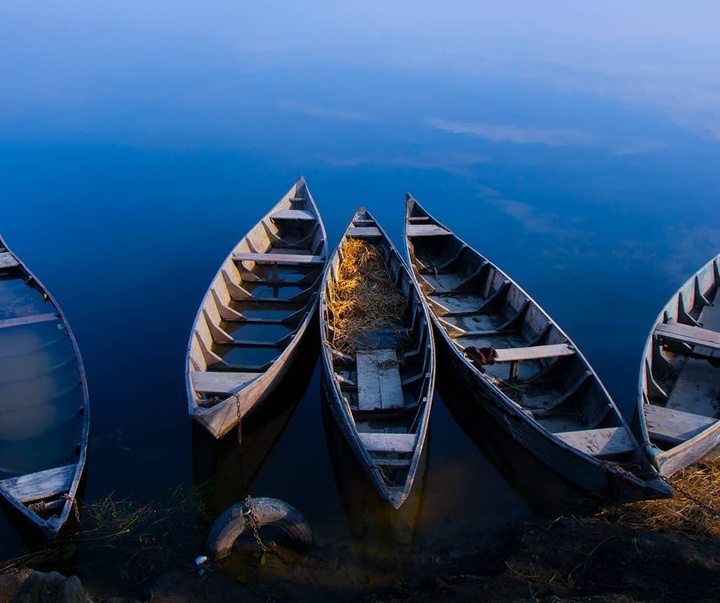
[575, 146]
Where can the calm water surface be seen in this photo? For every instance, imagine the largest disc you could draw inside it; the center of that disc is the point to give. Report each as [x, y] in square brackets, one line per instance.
[135, 151]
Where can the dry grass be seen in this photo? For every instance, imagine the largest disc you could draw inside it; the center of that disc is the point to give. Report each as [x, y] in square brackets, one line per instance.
[364, 297]
[681, 513]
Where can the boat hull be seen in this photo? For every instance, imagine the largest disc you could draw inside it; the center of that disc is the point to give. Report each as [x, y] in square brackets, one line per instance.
[400, 385]
[678, 408]
[606, 481]
[530, 375]
[44, 401]
[256, 313]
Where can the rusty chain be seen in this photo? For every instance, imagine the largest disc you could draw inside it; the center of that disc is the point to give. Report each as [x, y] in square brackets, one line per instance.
[251, 521]
[687, 494]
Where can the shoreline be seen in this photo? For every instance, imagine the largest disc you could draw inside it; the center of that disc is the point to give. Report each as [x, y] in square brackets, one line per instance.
[592, 559]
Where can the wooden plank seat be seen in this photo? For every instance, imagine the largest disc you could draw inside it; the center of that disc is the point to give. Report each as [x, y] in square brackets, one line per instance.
[536, 352]
[278, 258]
[364, 231]
[696, 336]
[392, 462]
[220, 382]
[27, 320]
[388, 442]
[40, 485]
[378, 380]
[604, 442]
[425, 230]
[673, 426]
[293, 214]
[7, 260]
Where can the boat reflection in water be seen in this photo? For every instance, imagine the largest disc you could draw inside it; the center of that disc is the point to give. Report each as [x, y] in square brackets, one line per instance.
[545, 492]
[225, 470]
[385, 539]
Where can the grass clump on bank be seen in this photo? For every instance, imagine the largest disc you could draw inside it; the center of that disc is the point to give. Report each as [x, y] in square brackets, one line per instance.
[363, 297]
[701, 481]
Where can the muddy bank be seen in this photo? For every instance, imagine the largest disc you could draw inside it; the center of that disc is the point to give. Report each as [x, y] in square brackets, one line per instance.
[661, 550]
[568, 559]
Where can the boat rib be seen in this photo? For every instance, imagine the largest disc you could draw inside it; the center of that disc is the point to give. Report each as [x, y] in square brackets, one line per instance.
[256, 312]
[44, 404]
[529, 375]
[678, 415]
[379, 387]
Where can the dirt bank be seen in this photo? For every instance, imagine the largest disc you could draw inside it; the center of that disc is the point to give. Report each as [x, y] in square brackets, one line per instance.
[569, 559]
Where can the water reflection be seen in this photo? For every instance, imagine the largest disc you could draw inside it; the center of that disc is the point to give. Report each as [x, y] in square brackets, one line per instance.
[385, 539]
[225, 470]
[544, 491]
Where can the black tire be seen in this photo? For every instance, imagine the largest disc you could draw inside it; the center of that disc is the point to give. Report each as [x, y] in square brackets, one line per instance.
[268, 511]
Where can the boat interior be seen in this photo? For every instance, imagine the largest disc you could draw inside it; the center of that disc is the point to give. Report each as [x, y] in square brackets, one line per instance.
[42, 396]
[259, 299]
[385, 382]
[682, 365]
[527, 357]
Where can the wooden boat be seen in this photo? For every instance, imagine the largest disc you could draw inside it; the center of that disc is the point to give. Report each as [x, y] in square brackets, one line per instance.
[256, 312]
[44, 416]
[537, 384]
[678, 414]
[380, 385]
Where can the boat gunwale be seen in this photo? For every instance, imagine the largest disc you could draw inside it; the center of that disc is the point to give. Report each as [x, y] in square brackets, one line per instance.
[509, 406]
[51, 526]
[663, 458]
[274, 370]
[339, 406]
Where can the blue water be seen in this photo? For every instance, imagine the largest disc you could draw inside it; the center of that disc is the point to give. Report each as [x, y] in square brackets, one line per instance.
[137, 146]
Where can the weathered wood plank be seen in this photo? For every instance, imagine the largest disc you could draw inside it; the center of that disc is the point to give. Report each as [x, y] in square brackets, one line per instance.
[364, 231]
[697, 388]
[425, 230]
[279, 258]
[674, 426]
[43, 484]
[293, 214]
[27, 320]
[7, 260]
[220, 382]
[534, 352]
[599, 442]
[388, 442]
[378, 380]
[688, 334]
[393, 462]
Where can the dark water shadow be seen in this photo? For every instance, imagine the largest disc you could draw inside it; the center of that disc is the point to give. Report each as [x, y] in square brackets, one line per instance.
[225, 470]
[385, 539]
[544, 491]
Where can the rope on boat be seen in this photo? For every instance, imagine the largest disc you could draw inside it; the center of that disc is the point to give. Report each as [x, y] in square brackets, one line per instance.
[37, 507]
[239, 417]
[74, 506]
[685, 493]
[254, 514]
[383, 475]
[41, 506]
